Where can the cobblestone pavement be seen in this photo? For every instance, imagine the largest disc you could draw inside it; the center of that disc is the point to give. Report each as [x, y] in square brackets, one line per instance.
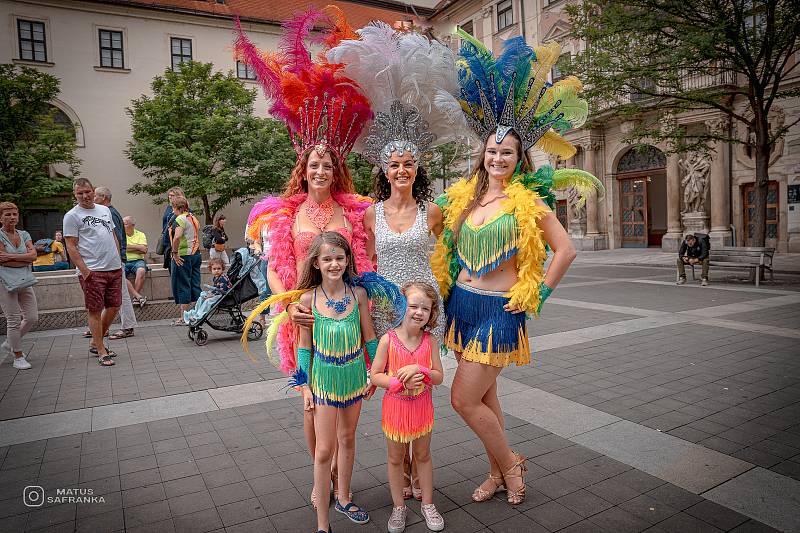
[648, 407]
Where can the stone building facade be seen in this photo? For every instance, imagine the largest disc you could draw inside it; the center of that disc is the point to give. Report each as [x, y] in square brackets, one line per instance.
[652, 200]
[107, 52]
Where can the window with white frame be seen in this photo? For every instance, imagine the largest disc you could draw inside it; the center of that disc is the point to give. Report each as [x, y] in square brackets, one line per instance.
[32, 42]
[112, 54]
[505, 15]
[181, 50]
[245, 71]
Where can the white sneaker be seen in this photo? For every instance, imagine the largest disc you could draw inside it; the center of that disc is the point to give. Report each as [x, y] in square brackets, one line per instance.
[21, 364]
[397, 522]
[681, 281]
[433, 519]
[704, 282]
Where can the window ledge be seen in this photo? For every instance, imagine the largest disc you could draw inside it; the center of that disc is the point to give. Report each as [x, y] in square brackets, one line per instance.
[33, 63]
[551, 4]
[503, 34]
[247, 80]
[112, 69]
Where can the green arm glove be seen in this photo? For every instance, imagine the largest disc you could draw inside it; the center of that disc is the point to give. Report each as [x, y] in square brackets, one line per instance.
[544, 293]
[300, 375]
[372, 349]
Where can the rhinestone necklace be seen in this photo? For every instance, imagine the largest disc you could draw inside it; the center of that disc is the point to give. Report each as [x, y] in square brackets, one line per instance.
[320, 214]
[338, 306]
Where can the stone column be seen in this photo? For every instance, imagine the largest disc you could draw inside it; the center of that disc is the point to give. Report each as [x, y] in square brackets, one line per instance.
[720, 233]
[672, 239]
[593, 239]
[591, 199]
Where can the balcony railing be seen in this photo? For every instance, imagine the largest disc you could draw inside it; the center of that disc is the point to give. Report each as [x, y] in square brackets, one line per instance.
[690, 81]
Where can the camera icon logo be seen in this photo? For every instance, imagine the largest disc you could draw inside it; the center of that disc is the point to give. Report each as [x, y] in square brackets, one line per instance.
[33, 496]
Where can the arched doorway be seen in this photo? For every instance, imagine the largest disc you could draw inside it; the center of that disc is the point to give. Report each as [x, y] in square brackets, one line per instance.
[642, 177]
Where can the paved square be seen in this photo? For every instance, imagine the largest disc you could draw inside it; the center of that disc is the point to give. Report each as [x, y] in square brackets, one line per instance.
[648, 407]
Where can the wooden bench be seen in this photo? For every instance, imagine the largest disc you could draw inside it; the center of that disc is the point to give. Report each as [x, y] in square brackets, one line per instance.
[758, 260]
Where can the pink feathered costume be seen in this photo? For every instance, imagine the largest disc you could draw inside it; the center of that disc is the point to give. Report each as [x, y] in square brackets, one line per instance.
[279, 214]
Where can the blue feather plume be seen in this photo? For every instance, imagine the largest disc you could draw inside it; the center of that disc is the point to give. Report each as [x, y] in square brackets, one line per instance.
[298, 378]
[477, 64]
[382, 292]
[516, 59]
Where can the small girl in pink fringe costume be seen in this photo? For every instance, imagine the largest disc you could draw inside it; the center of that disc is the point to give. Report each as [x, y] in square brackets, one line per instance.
[407, 364]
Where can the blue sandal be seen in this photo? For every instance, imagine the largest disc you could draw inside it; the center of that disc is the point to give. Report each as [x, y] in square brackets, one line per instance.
[353, 512]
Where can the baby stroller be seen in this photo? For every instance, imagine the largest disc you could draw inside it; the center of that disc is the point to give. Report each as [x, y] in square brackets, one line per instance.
[247, 283]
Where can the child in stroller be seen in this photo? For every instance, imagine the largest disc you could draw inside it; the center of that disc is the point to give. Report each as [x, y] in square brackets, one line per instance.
[220, 284]
[220, 308]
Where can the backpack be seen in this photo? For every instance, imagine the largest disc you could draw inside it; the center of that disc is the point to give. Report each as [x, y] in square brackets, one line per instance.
[43, 246]
[208, 236]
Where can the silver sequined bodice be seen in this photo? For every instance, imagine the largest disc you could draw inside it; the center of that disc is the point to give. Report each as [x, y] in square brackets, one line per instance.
[405, 257]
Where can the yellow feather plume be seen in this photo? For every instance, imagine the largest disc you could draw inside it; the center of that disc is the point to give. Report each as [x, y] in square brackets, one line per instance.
[546, 57]
[285, 297]
[553, 143]
[272, 336]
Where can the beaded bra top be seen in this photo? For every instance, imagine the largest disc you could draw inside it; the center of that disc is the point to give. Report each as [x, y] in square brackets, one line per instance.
[481, 249]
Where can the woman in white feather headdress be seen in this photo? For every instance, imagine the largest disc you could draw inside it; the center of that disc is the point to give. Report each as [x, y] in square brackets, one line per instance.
[410, 82]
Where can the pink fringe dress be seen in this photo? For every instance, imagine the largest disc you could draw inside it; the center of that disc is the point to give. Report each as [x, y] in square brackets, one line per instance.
[407, 415]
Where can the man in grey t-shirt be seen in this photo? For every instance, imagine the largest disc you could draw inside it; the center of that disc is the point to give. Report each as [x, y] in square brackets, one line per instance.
[93, 247]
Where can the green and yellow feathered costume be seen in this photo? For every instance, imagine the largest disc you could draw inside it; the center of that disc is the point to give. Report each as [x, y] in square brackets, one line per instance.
[499, 95]
[478, 327]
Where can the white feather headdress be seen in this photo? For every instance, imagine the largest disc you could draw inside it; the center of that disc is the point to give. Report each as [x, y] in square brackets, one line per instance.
[411, 83]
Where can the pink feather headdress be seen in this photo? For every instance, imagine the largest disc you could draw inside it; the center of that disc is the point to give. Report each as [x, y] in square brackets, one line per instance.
[321, 107]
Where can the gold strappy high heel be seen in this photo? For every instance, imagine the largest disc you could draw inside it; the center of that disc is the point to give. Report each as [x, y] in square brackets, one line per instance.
[481, 495]
[516, 497]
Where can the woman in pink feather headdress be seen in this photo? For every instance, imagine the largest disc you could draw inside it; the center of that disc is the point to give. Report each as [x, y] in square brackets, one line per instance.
[325, 112]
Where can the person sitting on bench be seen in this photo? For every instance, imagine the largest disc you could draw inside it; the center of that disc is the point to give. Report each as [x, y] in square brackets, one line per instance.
[694, 250]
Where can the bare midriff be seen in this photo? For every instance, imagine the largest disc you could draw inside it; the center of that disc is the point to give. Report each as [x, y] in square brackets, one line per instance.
[500, 279]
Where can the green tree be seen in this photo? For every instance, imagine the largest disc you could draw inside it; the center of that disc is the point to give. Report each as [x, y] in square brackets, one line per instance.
[448, 162]
[30, 139]
[361, 172]
[655, 59]
[197, 131]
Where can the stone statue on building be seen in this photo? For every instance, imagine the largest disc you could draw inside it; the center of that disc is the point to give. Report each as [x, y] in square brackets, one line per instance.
[578, 208]
[695, 167]
[577, 215]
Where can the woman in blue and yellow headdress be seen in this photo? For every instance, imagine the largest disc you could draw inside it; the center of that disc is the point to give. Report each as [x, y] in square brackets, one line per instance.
[499, 226]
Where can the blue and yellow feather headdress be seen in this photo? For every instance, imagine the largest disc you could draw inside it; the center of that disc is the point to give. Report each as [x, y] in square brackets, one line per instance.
[511, 92]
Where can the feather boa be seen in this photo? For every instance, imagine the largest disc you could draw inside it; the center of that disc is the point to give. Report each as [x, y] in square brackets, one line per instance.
[279, 215]
[524, 294]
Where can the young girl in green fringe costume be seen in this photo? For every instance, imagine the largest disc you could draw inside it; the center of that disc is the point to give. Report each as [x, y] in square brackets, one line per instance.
[333, 358]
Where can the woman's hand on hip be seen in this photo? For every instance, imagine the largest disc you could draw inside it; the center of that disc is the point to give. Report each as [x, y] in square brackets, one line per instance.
[512, 310]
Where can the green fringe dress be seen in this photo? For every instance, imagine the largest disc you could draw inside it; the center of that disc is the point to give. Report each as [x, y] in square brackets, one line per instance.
[338, 369]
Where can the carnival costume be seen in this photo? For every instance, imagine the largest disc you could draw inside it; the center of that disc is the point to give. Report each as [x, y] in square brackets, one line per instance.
[410, 82]
[498, 95]
[407, 415]
[323, 110]
[336, 367]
